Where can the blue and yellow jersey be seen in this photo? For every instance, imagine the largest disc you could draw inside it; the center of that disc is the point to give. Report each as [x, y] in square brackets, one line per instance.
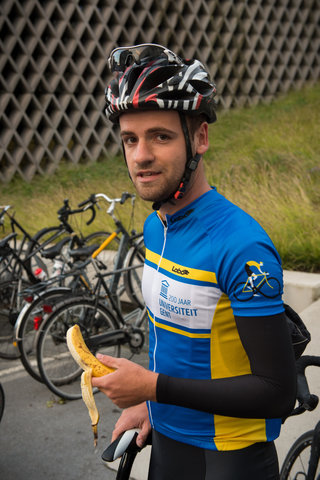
[209, 262]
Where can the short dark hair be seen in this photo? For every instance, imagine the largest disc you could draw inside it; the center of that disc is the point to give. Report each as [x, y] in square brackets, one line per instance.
[194, 122]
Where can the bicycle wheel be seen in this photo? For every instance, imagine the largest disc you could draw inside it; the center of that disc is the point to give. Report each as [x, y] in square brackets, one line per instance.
[28, 326]
[243, 292]
[2, 401]
[9, 311]
[270, 288]
[296, 463]
[133, 278]
[57, 367]
[99, 237]
[45, 238]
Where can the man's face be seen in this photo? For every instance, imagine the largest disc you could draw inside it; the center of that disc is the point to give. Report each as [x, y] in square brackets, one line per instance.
[155, 152]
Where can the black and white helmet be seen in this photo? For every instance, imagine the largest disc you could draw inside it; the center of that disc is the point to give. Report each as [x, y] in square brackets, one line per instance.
[151, 77]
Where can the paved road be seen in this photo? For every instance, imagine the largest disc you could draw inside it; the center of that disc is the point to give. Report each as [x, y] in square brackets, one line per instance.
[41, 438]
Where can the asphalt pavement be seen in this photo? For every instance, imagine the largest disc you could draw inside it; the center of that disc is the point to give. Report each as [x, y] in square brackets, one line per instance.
[43, 438]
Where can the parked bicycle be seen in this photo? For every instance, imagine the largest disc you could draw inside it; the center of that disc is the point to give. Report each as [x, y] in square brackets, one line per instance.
[2, 401]
[18, 262]
[31, 248]
[302, 460]
[119, 289]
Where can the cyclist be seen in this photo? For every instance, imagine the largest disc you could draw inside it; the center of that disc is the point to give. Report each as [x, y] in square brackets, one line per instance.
[221, 371]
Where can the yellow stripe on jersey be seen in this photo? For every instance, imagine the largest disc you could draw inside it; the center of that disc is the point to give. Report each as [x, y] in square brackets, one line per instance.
[234, 433]
[180, 270]
[229, 359]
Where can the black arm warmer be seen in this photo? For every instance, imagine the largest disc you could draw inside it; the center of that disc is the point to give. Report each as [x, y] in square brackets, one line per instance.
[268, 392]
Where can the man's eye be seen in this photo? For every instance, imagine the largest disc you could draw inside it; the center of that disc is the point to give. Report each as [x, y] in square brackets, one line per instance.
[129, 140]
[163, 137]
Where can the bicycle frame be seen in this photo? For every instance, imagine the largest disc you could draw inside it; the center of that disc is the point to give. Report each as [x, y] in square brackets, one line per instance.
[256, 287]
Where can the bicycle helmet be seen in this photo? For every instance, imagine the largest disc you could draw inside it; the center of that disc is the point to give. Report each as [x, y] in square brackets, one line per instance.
[151, 77]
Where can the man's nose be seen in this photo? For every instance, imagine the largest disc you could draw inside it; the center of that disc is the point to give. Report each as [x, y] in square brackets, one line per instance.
[143, 152]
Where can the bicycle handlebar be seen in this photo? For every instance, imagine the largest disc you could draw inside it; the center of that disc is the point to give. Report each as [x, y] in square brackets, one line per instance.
[5, 208]
[65, 210]
[306, 400]
[124, 197]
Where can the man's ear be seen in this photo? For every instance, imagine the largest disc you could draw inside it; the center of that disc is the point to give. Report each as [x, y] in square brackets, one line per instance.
[201, 139]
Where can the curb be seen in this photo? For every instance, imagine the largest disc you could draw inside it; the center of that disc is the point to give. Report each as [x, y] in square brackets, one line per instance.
[301, 289]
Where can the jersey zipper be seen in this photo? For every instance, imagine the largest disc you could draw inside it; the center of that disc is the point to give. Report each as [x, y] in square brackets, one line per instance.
[165, 228]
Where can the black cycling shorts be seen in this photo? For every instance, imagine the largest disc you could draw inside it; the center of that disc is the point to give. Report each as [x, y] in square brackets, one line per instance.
[172, 460]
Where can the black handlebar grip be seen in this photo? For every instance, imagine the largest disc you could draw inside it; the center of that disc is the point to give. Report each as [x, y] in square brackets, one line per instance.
[93, 216]
[91, 199]
[125, 197]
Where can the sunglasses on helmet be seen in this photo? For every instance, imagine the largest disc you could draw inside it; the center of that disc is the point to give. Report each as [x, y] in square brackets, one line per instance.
[122, 57]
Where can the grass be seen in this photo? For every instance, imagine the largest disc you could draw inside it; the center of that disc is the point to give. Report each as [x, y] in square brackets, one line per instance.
[266, 159]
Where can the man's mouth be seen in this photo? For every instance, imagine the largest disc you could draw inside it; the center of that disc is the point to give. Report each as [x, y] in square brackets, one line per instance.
[147, 175]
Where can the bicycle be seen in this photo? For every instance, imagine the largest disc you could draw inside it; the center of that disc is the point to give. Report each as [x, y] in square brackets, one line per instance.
[11, 282]
[31, 248]
[302, 459]
[267, 286]
[39, 301]
[125, 448]
[42, 298]
[2, 401]
[17, 270]
[102, 330]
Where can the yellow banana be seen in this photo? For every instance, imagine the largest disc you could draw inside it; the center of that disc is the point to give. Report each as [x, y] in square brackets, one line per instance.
[92, 368]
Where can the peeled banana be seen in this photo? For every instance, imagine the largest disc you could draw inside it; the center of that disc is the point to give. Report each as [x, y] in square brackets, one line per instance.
[92, 368]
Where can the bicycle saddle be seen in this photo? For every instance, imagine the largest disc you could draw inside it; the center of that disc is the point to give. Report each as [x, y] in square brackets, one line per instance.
[126, 442]
[54, 251]
[83, 252]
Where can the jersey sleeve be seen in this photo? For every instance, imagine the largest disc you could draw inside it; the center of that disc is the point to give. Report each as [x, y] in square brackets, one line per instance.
[250, 271]
[268, 392]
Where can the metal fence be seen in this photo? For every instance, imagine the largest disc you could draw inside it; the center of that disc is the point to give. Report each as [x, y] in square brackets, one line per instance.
[53, 64]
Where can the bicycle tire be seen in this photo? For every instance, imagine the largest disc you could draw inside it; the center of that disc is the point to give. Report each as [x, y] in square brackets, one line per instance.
[99, 237]
[28, 323]
[266, 288]
[2, 401]
[57, 367]
[133, 278]
[9, 311]
[240, 294]
[34, 260]
[296, 462]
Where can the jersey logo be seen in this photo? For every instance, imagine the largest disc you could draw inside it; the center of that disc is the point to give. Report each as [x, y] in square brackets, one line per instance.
[258, 283]
[179, 271]
[164, 289]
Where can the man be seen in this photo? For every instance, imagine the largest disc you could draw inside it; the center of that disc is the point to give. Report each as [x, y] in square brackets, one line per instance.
[221, 366]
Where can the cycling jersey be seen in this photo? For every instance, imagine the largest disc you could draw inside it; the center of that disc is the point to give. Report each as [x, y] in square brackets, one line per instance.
[206, 265]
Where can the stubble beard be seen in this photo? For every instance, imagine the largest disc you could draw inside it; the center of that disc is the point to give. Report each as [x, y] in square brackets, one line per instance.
[157, 194]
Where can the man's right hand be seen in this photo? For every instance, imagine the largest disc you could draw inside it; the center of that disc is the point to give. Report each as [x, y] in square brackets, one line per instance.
[134, 417]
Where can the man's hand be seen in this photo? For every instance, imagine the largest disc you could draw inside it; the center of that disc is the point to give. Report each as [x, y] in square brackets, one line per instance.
[129, 385]
[134, 417]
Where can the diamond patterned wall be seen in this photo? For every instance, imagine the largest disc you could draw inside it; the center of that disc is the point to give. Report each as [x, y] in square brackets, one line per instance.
[53, 64]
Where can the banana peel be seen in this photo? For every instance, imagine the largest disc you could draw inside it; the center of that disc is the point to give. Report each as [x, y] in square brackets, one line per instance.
[92, 368]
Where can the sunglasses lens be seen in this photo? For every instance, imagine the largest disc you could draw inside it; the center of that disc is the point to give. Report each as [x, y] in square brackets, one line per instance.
[122, 58]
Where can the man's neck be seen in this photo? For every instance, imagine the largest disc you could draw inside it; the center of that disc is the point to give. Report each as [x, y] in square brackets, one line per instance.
[190, 196]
